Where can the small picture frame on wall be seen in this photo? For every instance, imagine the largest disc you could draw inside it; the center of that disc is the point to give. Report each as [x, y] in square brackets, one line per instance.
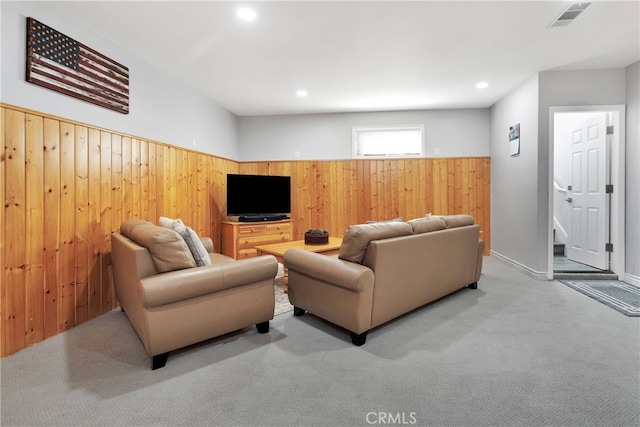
[514, 140]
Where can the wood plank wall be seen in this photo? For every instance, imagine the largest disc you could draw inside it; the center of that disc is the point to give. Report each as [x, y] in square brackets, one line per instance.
[335, 194]
[66, 186]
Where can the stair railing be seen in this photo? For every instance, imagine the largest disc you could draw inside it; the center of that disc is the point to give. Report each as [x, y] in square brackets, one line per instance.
[558, 200]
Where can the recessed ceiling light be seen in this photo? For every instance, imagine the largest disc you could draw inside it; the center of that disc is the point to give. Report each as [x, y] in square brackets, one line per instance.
[246, 14]
[302, 93]
[482, 85]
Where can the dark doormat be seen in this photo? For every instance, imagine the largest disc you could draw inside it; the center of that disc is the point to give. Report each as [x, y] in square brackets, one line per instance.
[620, 296]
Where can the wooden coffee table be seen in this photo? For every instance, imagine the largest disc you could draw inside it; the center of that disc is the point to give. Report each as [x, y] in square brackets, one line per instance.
[278, 250]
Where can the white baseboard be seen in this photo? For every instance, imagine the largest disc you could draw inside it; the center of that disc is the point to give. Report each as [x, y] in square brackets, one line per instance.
[538, 275]
[541, 275]
[631, 279]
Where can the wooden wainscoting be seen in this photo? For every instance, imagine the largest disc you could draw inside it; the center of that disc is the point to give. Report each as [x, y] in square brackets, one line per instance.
[335, 194]
[66, 186]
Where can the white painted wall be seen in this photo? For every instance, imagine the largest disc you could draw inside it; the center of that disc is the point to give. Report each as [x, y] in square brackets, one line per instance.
[514, 179]
[632, 227]
[457, 133]
[161, 108]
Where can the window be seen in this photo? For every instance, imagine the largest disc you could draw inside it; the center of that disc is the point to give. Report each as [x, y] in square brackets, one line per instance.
[388, 141]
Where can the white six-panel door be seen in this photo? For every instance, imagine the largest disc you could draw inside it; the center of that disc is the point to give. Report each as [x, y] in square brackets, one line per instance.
[589, 219]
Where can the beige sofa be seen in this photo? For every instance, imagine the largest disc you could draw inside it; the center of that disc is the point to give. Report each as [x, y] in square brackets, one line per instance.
[384, 270]
[172, 303]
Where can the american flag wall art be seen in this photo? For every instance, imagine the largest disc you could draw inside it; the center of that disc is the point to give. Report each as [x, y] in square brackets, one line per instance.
[60, 63]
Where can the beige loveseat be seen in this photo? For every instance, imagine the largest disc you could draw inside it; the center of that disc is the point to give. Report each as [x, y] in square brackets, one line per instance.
[172, 303]
[384, 270]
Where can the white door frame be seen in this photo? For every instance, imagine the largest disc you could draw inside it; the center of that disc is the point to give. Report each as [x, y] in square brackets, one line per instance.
[617, 179]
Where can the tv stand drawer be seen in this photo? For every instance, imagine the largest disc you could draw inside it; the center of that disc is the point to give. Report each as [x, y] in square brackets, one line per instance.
[251, 229]
[249, 242]
[263, 228]
[239, 238]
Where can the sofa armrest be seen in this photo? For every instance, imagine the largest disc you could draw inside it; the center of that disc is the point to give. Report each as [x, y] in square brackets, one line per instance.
[208, 243]
[182, 285]
[335, 271]
[481, 246]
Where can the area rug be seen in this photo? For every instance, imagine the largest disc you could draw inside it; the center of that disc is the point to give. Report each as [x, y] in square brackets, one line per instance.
[282, 300]
[618, 295]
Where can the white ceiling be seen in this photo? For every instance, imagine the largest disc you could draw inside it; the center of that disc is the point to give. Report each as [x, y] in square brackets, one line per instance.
[362, 55]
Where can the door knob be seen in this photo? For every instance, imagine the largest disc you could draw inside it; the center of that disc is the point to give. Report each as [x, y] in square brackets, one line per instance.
[569, 199]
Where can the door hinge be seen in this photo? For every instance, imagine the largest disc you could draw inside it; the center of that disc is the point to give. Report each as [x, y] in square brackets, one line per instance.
[608, 247]
[608, 188]
[609, 130]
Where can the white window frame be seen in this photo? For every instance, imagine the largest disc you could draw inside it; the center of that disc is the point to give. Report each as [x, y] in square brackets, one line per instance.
[357, 130]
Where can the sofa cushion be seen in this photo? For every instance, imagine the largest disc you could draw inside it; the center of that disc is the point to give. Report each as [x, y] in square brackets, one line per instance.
[198, 251]
[398, 219]
[168, 249]
[163, 221]
[460, 220]
[357, 238]
[427, 224]
[130, 224]
[217, 258]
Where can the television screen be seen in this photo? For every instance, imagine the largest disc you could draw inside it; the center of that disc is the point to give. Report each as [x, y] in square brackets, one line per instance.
[258, 195]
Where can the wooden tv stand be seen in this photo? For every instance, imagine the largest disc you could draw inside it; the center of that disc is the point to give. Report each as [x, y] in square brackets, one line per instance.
[239, 239]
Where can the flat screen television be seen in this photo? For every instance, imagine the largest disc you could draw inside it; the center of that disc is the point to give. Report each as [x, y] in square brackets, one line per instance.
[258, 197]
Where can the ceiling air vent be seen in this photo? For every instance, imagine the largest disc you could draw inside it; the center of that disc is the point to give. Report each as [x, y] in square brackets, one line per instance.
[569, 14]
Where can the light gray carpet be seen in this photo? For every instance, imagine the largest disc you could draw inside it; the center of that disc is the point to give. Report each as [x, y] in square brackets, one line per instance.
[618, 295]
[514, 352]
